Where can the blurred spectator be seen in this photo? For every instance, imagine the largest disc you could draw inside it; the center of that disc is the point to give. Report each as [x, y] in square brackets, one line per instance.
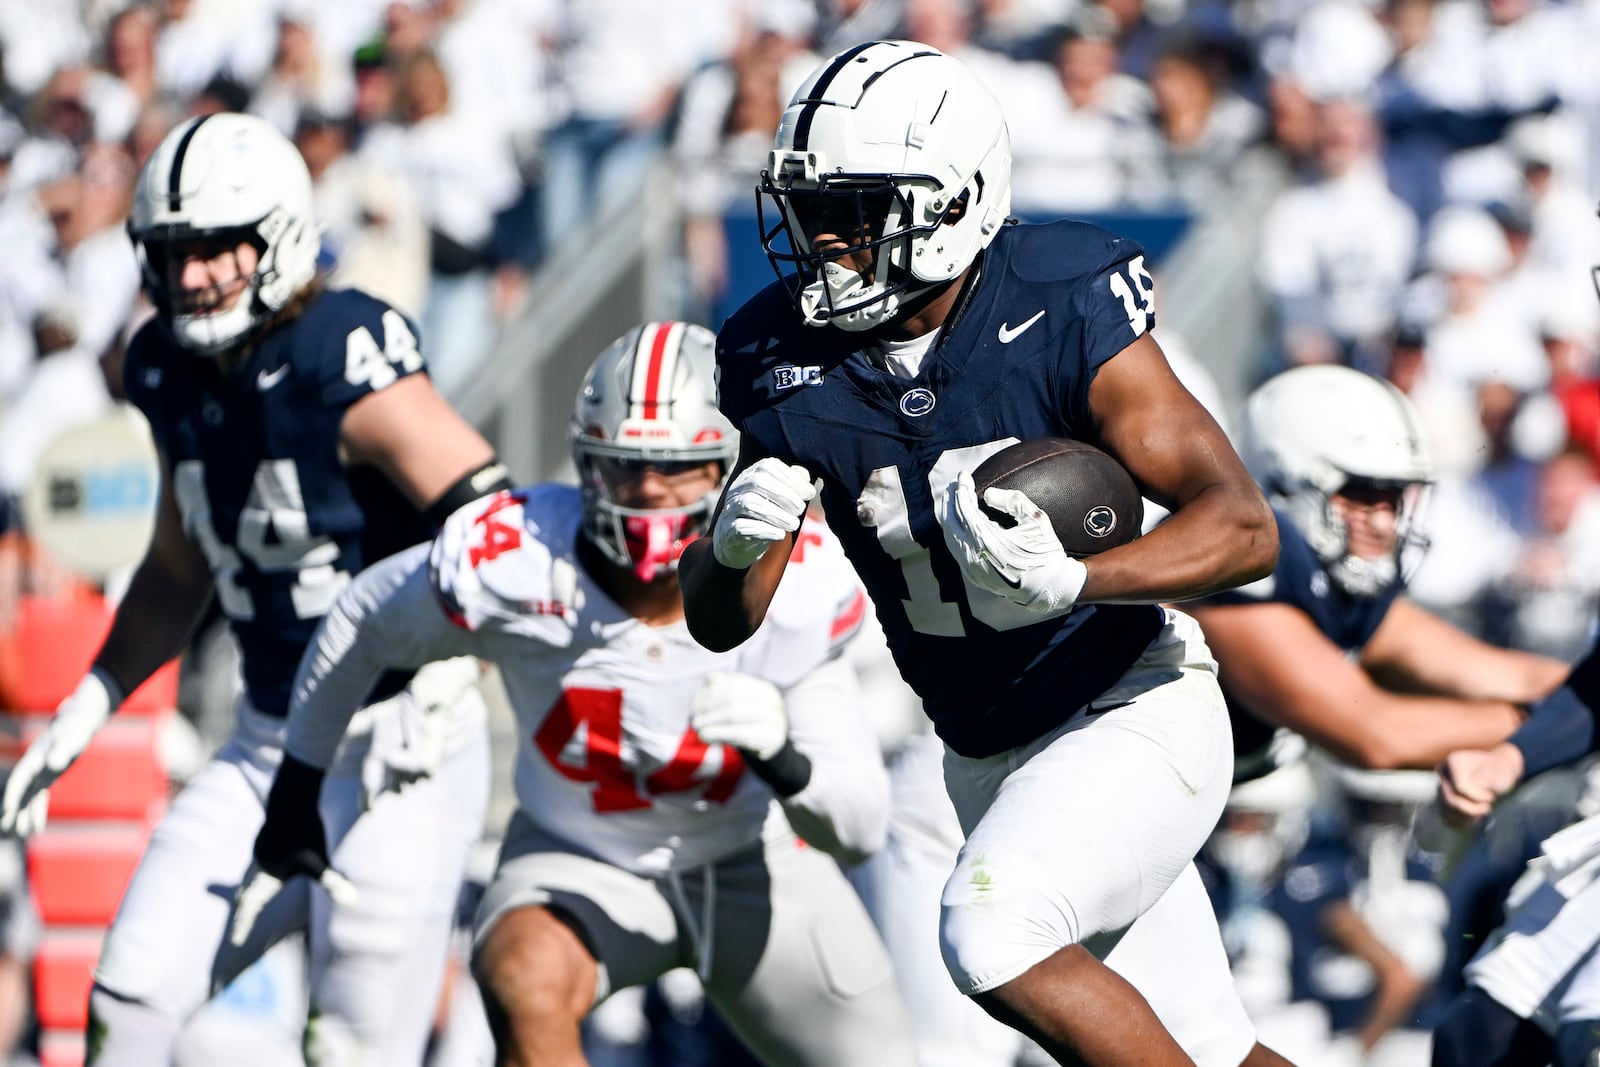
[846, 23]
[374, 237]
[38, 38]
[1077, 140]
[724, 133]
[1480, 336]
[463, 176]
[1292, 123]
[374, 88]
[299, 79]
[130, 52]
[1337, 249]
[1545, 601]
[1204, 124]
[620, 65]
[191, 47]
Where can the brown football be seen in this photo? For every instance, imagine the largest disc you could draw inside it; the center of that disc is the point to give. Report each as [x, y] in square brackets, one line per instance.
[1091, 499]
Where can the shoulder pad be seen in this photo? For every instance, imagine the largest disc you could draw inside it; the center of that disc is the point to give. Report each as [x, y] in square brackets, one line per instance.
[491, 571]
[1067, 249]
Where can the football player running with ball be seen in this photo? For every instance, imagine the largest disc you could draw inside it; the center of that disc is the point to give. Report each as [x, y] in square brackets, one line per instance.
[1088, 752]
[659, 784]
[289, 419]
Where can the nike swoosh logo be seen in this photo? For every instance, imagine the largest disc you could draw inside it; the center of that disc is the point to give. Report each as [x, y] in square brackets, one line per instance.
[267, 379]
[1007, 334]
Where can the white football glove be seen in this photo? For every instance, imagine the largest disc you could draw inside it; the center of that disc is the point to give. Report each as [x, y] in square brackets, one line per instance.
[409, 736]
[78, 718]
[763, 504]
[740, 710]
[1025, 564]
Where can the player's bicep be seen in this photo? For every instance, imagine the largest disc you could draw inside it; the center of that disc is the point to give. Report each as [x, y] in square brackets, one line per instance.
[412, 434]
[1155, 427]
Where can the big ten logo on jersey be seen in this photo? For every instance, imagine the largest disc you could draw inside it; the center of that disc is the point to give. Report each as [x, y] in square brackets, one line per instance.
[582, 738]
[366, 364]
[790, 376]
[496, 531]
[1136, 289]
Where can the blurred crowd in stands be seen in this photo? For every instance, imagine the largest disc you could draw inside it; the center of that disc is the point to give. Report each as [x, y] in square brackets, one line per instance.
[1437, 165]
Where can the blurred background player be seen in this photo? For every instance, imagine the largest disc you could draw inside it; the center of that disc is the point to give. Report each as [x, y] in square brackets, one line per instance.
[1328, 648]
[949, 334]
[658, 781]
[287, 417]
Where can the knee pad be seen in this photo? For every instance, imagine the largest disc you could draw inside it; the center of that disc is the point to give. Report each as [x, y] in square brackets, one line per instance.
[1479, 1031]
[1578, 1044]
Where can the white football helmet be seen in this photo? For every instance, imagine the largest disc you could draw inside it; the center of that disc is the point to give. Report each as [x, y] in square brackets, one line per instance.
[227, 178]
[900, 143]
[650, 398]
[1313, 431]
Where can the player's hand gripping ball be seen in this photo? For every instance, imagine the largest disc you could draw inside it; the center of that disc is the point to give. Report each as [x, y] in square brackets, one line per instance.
[1092, 502]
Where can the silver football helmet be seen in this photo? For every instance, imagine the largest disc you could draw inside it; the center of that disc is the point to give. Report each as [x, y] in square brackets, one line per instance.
[900, 147]
[225, 178]
[1315, 431]
[649, 398]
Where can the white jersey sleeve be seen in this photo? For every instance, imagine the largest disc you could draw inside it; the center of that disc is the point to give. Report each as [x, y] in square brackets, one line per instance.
[818, 608]
[388, 618]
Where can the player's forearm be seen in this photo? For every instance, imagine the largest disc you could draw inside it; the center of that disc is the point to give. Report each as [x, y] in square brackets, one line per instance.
[374, 626]
[724, 606]
[1222, 539]
[1417, 733]
[154, 620]
[1565, 725]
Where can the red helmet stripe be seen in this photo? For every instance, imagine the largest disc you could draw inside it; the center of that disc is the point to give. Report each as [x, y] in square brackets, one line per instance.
[656, 370]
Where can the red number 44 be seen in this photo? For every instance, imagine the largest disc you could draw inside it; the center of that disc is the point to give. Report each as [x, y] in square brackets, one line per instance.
[598, 712]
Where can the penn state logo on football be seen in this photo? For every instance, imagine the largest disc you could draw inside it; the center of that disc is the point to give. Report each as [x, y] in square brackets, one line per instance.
[1099, 521]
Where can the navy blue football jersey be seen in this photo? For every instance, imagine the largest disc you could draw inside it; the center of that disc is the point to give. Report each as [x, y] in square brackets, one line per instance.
[257, 474]
[1301, 581]
[1051, 304]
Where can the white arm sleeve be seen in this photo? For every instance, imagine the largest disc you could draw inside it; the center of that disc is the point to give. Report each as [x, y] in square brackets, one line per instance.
[388, 618]
[844, 808]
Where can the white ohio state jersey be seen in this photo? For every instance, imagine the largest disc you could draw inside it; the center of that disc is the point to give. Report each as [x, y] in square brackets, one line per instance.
[608, 760]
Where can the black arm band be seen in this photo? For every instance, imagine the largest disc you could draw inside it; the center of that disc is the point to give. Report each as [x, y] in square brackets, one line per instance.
[786, 773]
[492, 477]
